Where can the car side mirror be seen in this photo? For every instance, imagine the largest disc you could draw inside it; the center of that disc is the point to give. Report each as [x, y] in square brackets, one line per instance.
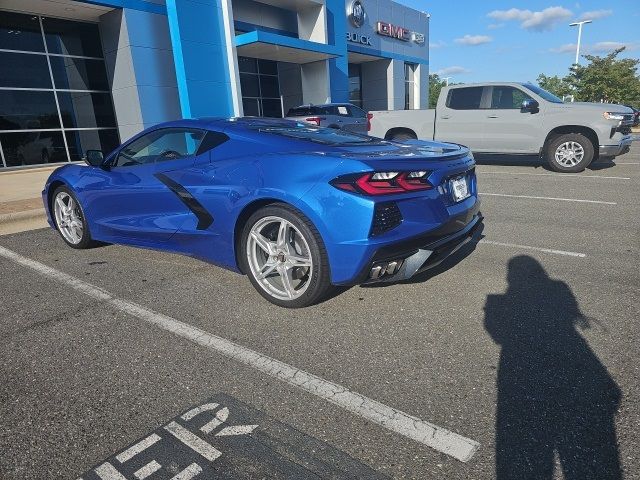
[94, 158]
[530, 105]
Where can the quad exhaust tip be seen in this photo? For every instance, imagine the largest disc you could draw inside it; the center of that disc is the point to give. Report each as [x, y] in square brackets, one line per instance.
[383, 269]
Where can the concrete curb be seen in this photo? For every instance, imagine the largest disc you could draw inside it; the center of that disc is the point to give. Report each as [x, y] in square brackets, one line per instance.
[6, 218]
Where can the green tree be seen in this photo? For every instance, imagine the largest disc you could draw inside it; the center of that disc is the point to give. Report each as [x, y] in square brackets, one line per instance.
[607, 79]
[435, 85]
[556, 85]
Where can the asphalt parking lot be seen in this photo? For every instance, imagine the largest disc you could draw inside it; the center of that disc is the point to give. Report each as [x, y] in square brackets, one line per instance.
[522, 352]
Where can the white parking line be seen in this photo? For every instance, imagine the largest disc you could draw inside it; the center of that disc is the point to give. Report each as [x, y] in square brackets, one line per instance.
[557, 175]
[548, 198]
[436, 437]
[529, 247]
[134, 450]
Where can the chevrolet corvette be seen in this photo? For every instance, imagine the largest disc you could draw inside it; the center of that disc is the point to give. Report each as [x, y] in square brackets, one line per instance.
[299, 209]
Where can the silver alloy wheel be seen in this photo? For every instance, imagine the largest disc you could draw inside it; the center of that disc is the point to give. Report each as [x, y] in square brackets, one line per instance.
[68, 218]
[569, 154]
[279, 258]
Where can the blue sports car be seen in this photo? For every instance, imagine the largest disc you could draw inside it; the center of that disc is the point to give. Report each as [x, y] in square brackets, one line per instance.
[297, 208]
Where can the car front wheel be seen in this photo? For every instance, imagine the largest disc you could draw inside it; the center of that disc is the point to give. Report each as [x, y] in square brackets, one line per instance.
[283, 254]
[70, 219]
[572, 152]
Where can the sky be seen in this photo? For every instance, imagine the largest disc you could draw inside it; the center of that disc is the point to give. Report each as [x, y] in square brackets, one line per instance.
[476, 41]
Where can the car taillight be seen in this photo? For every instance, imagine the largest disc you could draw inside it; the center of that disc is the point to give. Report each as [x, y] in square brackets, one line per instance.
[315, 120]
[383, 183]
[369, 117]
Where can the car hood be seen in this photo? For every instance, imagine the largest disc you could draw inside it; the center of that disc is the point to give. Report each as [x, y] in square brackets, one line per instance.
[595, 107]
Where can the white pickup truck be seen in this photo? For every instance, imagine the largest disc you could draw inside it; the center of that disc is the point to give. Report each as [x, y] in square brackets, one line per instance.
[515, 118]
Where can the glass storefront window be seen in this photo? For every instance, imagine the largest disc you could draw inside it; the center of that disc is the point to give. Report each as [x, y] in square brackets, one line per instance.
[24, 70]
[86, 110]
[24, 109]
[72, 38]
[33, 148]
[71, 73]
[40, 89]
[260, 87]
[20, 32]
[355, 84]
[79, 141]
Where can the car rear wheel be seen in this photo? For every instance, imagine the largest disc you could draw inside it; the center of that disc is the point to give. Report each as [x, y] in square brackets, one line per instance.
[70, 220]
[572, 152]
[284, 257]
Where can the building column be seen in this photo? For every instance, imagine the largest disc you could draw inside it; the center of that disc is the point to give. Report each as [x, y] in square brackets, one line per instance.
[395, 85]
[204, 52]
[337, 35]
[315, 82]
[422, 80]
[139, 61]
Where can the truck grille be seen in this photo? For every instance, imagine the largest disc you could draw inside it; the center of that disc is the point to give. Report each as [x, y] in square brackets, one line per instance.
[386, 216]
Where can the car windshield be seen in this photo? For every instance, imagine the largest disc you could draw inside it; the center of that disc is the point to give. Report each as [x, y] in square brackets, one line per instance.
[326, 136]
[548, 96]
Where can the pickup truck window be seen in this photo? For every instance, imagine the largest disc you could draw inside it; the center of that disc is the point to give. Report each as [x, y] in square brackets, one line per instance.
[549, 97]
[507, 98]
[467, 98]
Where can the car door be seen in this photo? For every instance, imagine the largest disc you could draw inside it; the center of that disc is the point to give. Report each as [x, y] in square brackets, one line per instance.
[137, 199]
[356, 120]
[508, 128]
[461, 119]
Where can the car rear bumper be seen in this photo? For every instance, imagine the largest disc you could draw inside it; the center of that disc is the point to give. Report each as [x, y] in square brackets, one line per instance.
[618, 149]
[421, 253]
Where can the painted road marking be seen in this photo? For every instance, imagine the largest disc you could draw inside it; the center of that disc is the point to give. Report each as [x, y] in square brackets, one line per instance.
[529, 247]
[436, 437]
[188, 473]
[557, 175]
[547, 198]
[147, 470]
[106, 471]
[193, 441]
[143, 444]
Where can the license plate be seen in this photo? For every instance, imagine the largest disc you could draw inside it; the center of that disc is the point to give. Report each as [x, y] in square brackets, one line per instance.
[459, 188]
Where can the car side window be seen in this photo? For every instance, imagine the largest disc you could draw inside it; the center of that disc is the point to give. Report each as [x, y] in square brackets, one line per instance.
[467, 98]
[357, 112]
[160, 145]
[507, 98]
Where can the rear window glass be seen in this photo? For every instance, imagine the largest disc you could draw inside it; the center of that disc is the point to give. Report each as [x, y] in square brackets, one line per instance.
[465, 98]
[326, 136]
[302, 111]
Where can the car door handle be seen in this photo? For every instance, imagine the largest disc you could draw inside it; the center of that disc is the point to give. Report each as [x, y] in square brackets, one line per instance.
[445, 117]
[492, 116]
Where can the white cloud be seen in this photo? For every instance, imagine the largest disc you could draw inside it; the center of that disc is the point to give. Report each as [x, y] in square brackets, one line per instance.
[473, 40]
[607, 47]
[437, 44]
[454, 70]
[566, 48]
[494, 26]
[595, 15]
[536, 21]
[597, 48]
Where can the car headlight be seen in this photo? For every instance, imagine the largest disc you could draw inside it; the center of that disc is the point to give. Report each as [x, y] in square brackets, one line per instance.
[613, 116]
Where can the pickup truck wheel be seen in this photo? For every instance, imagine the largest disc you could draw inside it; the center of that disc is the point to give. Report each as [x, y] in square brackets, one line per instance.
[572, 152]
[401, 137]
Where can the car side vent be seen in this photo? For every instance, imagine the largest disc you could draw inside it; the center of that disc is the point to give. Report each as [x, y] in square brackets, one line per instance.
[386, 216]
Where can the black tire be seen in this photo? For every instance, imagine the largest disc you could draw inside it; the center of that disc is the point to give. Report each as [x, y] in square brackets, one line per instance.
[85, 241]
[402, 136]
[319, 282]
[555, 143]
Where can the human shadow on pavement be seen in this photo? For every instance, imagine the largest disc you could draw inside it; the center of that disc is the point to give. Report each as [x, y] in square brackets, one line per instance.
[555, 397]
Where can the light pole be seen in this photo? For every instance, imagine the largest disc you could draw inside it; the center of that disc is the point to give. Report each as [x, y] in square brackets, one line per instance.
[579, 24]
[446, 79]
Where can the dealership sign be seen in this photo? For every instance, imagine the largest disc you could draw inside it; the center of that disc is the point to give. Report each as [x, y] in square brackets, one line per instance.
[358, 16]
[394, 31]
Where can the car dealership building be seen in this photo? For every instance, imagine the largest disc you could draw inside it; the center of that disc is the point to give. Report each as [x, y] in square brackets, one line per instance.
[77, 75]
